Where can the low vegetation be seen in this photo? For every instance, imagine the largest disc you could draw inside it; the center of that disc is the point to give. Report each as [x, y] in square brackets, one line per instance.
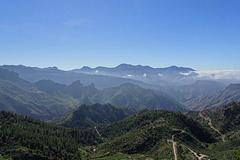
[148, 134]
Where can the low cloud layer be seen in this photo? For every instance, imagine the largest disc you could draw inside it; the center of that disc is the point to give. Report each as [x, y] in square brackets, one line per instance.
[215, 74]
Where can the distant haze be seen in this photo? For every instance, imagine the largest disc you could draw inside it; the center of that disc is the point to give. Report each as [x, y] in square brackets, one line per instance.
[104, 77]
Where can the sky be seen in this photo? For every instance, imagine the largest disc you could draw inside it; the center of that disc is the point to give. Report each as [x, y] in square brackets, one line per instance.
[69, 34]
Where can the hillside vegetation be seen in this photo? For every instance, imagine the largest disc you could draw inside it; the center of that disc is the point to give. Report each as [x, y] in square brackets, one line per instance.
[20, 96]
[151, 133]
[27, 138]
[89, 116]
[225, 122]
[147, 134]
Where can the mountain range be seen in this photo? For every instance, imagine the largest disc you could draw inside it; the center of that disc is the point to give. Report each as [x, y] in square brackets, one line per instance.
[126, 95]
[20, 96]
[168, 76]
[122, 119]
[34, 74]
[46, 99]
[219, 99]
[200, 88]
[145, 76]
[159, 76]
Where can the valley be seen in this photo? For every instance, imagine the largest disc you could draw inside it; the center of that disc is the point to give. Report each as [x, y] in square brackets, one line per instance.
[119, 80]
[50, 120]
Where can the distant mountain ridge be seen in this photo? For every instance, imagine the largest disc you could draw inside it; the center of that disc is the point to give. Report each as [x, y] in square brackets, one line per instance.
[147, 74]
[219, 99]
[46, 99]
[20, 96]
[34, 74]
[127, 68]
[200, 88]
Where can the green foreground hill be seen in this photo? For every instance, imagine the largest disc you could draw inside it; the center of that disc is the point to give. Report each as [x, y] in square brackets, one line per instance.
[147, 134]
[89, 116]
[225, 121]
[27, 138]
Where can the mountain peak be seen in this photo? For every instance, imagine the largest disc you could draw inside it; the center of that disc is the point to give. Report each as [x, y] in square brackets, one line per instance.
[176, 68]
[130, 65]
[8, 75]
[54, 68]
[86, 68]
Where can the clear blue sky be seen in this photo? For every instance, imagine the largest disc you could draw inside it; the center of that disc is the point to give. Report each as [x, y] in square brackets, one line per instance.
[202, 34]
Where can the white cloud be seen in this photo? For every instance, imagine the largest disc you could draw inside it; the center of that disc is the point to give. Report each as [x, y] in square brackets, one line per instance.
[185, 74]
[129, 76]
[96, 71]
[144, 75]
[219, 74]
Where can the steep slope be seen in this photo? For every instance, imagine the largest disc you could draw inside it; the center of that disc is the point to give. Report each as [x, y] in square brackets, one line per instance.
[133, 96]
[20, 96]
[225, 119]
[46, 99]
[126, 95]
[27, 138]
[198, 89]
[231, 93]
[88, 116]
[151, 133]
[147, 134]
[75, 90]
[225, 122]
[34, 74]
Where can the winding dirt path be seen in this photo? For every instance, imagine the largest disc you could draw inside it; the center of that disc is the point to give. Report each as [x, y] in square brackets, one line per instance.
[174, 147]
[174, 150]
[210, 124]
[200, 156]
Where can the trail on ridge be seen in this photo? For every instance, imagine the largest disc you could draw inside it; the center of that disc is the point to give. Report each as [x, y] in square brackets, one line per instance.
[210, 124]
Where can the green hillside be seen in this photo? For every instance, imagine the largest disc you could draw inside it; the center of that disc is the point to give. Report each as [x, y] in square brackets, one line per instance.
[26, 138]
[225, 122]
[225, 119]
[27, 100]
[151, 133]
[147, 134]
[89, 116]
